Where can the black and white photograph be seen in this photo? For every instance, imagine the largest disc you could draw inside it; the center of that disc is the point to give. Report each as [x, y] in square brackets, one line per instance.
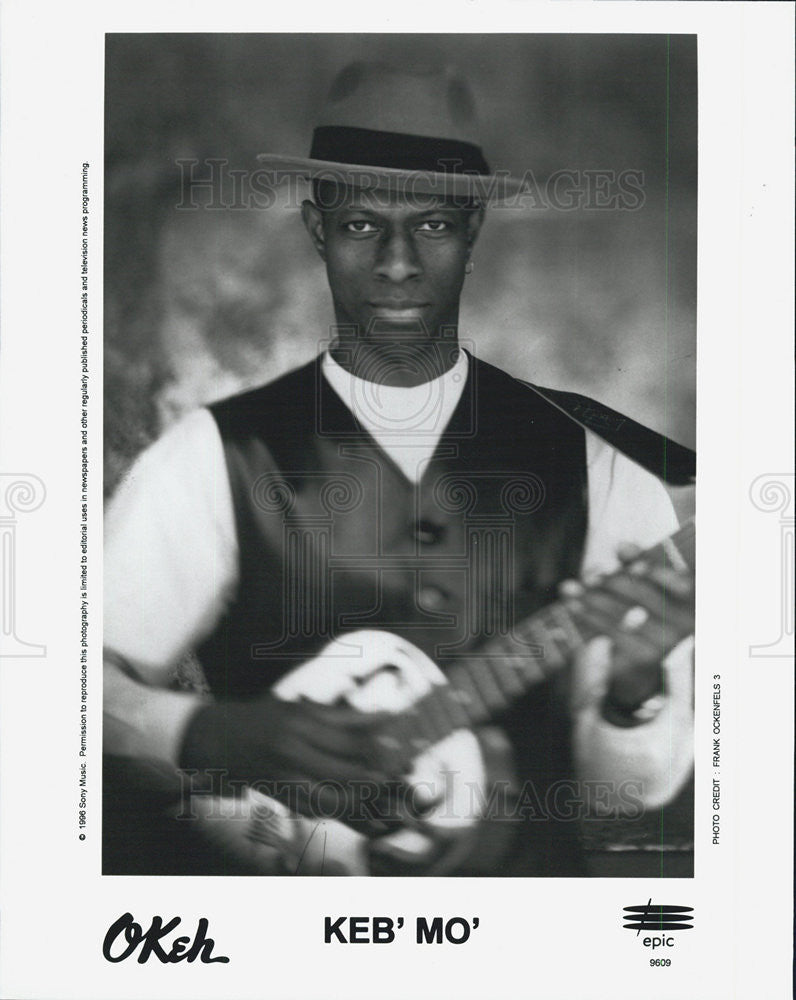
[399, 419]
[396, 484]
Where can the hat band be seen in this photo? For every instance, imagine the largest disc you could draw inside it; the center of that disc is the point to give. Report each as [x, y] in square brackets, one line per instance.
[397, 150]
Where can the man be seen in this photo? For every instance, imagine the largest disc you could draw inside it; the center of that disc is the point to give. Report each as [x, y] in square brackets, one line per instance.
[339, 543]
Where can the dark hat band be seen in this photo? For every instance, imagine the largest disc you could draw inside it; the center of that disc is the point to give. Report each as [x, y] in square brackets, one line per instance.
[396, 150]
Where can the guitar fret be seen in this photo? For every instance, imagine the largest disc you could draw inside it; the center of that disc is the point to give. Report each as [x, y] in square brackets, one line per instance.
[491, 693]
[467, 694]
[551, 657]
[504, 666]
[532, 670]
[455, 712]
[554, 639]
[563, 625]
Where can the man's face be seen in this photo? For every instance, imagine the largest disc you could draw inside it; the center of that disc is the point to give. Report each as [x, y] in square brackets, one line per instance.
[395, 262]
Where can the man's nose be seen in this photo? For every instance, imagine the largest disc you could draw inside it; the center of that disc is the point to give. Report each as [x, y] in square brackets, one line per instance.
[397, 258]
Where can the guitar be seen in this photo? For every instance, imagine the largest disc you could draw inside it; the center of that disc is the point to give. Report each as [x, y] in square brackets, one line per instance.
[457, 759]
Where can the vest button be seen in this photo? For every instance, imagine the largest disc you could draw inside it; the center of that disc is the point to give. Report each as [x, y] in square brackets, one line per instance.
[428, 534]
[430, 598]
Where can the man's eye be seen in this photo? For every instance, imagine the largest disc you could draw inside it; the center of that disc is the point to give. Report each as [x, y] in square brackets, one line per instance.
[359, 226]
[434, 226]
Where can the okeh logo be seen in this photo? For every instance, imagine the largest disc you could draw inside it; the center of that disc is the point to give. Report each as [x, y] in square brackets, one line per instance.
[659, 918]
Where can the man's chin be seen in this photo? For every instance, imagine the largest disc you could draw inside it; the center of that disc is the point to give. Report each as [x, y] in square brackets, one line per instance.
[399, 328]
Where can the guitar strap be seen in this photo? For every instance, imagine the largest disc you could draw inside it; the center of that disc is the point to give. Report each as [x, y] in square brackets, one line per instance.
[673, 463]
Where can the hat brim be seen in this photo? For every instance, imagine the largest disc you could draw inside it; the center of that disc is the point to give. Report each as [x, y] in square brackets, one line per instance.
[484, 188]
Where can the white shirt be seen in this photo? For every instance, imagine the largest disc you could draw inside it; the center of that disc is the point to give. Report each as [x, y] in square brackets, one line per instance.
[406, 422]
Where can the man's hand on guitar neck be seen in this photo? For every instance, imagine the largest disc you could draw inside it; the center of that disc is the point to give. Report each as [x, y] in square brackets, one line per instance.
[639, 615]
[632, 685]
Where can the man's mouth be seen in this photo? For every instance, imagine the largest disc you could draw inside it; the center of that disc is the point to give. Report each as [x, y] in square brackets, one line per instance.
[397, 305]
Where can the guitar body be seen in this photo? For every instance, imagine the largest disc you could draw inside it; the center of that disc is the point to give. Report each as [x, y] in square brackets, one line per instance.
[452, 781]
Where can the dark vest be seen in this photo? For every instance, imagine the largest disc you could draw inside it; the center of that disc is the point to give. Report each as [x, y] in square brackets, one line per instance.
[333, 537]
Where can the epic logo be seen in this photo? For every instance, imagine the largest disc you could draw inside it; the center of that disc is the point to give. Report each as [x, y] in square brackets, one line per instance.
[657, 917]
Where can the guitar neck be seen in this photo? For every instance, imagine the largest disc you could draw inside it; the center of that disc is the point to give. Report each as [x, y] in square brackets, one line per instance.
[484, 684]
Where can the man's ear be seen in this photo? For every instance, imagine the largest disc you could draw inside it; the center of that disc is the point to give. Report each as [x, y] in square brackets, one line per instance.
[312, 217]
[475, 220]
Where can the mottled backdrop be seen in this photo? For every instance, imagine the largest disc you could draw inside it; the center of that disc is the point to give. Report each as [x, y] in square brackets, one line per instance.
[199, 304]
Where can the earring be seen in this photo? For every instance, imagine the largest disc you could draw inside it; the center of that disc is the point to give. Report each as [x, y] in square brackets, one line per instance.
[468, 267]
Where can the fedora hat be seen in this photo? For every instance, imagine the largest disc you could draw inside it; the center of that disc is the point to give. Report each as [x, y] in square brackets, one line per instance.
[384, 127]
